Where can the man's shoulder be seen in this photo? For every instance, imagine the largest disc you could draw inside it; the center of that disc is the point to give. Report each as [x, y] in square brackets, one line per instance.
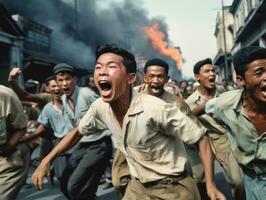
[153, 103]
[48, 106]
[87, 92]
[7, 94]
[228, 100]
[5, 91]
[194, 96]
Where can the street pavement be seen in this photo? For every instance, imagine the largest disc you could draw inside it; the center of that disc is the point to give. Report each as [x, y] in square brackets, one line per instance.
[52, 192]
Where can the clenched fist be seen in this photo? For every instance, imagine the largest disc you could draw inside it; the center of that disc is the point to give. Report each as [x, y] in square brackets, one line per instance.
[14, 73]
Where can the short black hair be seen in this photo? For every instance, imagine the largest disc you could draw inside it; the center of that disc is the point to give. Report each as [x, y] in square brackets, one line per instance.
[200, 63]
[246, 55]
[129, 58]
[157, 62]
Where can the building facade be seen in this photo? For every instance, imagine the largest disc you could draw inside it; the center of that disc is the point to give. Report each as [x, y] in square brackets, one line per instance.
[224, 38]
[11, 40]
[245, 26]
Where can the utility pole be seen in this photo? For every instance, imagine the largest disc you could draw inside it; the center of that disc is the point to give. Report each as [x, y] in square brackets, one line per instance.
[224, 37]
[76, 15]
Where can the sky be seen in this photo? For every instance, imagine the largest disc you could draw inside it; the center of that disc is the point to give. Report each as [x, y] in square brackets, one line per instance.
[191, 27]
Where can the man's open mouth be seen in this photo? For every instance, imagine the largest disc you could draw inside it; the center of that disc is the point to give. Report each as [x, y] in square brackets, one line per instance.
[263, 89]
[212, 80]
[66, 90]
[105, 85]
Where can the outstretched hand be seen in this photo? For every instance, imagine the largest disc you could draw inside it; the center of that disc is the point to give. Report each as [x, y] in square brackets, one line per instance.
[42, 171]
[214, 193]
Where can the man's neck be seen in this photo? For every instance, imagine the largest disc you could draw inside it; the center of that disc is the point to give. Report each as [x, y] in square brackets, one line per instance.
[206, 92]
[252, 105]
[120, 107]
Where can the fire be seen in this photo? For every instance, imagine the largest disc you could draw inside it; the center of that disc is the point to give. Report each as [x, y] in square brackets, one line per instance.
[157, 39]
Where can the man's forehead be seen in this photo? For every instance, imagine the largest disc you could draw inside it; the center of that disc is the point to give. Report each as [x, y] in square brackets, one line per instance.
[63, 75]
[155, 69]
[109, 57]
[52, 82]
[207, 66]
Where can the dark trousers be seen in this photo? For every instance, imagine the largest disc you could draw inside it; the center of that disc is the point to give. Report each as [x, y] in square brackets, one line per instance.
[85, 167]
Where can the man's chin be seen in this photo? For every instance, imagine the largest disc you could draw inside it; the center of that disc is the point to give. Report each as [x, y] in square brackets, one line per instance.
[107, 99]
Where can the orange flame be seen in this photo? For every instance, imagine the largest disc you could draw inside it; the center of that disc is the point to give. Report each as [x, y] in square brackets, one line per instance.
[157, 37]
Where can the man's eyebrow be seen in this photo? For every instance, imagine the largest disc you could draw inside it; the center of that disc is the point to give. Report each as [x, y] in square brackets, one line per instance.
[108, 63]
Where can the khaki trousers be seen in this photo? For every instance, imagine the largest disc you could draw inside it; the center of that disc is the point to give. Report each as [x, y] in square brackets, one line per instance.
[185, 189]
[13, 172]
[120, 173]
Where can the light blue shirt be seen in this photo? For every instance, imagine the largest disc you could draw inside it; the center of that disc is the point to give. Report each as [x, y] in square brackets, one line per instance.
[52, 117]
[248, 145]
[82, 98]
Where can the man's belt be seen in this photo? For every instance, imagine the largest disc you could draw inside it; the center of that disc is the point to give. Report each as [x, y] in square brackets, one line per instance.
[167, 180]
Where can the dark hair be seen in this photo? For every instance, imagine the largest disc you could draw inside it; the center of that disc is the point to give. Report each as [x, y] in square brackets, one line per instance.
[200, 63]
[157, 62]
[48, 79]
[129, 59]
[246, 55]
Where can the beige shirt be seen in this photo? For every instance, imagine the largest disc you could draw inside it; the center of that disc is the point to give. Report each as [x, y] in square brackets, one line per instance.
[196, 99]
[170, 98]
[11, 114]
[249, 147]
[151, 136]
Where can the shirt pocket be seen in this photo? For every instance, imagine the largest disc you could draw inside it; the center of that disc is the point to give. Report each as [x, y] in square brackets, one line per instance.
[149, 151]
[3, 132]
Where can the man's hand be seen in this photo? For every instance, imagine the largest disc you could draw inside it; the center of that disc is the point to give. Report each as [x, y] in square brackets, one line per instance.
[14, 73]
[214, 193]
[42, 171]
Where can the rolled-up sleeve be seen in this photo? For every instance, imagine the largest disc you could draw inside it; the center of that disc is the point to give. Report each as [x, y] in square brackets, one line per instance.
[185, 126]
[16, 114]
[91, 122]
[43, 118]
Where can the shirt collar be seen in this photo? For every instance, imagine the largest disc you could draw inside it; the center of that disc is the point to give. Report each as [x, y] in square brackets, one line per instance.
[238, 105]
[74, 96]
[199, 96]
[136, 104]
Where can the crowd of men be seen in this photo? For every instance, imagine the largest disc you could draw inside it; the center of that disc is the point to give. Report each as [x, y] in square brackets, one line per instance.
[164, 139]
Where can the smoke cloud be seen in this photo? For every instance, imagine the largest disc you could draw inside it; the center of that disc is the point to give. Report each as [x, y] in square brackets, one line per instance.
[77, 32]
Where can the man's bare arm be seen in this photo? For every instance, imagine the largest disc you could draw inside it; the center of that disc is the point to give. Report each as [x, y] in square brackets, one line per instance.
[22, 94]
[44, 168]
[39, 130]
[207, 159]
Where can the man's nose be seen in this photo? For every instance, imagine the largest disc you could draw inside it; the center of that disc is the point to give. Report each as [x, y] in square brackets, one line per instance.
[103, 71]
[155, 79]
[64, 82]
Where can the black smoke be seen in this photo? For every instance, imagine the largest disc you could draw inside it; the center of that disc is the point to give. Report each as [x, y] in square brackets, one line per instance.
[77, 32]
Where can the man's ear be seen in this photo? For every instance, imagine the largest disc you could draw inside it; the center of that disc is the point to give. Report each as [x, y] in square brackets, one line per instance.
[131, 78]
[145, 79]
[240, 80]
[196, 76]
